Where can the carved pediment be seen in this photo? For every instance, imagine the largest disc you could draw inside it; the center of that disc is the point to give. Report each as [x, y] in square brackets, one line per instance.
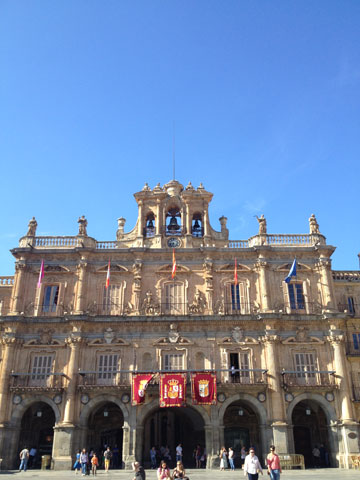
[166, 341]
[167, 269]
[299, 266]
[101, 341]
[231, 341]
[229, 267]
[113, 269]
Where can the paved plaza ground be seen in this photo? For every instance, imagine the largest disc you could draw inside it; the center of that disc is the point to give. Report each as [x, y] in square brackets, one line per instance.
[310, 474]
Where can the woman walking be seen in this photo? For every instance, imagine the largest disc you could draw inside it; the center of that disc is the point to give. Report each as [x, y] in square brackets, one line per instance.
[252, 465]
[223, 459]
[77, 464]
[273, 464]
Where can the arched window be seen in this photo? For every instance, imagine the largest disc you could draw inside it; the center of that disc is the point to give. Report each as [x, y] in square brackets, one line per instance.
[173, 222]
[149, 229]
[197, 229]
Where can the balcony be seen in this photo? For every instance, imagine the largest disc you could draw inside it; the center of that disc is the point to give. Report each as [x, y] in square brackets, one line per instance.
[315, 379]
[244, 378]
[104, 380]
[28, 382]
[356, 393]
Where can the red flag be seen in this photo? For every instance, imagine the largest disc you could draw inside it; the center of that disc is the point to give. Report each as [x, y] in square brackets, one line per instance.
[173, 272]
[172, 389]
[203, 388]
[41, 274]
[107, 283]
[139, 384]
[235, 273]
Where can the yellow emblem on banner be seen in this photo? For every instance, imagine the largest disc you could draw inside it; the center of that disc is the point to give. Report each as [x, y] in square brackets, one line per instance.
[173, 388]
[204, 388]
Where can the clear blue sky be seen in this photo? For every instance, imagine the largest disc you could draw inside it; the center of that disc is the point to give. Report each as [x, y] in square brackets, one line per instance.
[265, 96]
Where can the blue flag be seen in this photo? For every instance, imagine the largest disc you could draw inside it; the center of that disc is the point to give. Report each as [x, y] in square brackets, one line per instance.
[292, 272]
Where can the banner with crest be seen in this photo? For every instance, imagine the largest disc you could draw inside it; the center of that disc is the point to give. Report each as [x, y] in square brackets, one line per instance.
[203, 388]
[139, 384]
[172, 389]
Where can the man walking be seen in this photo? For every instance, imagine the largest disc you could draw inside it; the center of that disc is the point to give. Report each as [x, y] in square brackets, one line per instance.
[24, 458]
[107, 457]
[179, 453]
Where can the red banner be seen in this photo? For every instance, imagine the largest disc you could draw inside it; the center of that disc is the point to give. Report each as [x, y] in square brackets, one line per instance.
[203, 388]
[172, 389]
[140, 381]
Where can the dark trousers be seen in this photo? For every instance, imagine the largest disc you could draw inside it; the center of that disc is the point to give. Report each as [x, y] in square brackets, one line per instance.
[253, 476]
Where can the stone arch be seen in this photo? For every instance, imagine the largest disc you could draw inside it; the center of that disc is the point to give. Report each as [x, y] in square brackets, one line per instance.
[257, 406]
[154, 405]
[327, 407]
[19, 410]
[98, 400]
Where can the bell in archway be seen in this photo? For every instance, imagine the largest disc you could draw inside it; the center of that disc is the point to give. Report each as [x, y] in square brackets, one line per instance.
[196, 227]
[173, 225]
[150, 223]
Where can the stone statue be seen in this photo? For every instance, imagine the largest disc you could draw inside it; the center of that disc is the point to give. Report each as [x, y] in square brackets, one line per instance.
[314, 226]
[82, 226]
[262, 224]
[149, 306]
[198, 305]
[32, 228]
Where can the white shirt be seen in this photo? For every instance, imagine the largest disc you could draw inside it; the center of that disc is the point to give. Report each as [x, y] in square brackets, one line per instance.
[252, 464]
[178, 450]
[231, 453]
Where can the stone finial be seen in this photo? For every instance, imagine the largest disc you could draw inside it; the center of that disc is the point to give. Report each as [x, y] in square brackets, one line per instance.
[121, 224]
[189, 186]
[201, 186]
[262, 224]
[314, 226]
[82, 226]
[157, 188]
[32, 228]
[146, 188]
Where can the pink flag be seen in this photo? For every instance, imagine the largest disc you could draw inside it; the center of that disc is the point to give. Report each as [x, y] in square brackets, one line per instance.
[41, 274]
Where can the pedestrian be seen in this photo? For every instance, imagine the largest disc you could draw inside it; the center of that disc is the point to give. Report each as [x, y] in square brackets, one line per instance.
[163, 473]
[77, 464]
[115, 453]
[242, 455]
[179, 453]
[231, 458]
[273, 464]
[24, 458]
[94, 463]
[107, 457]
[32, 455]
[223, 459]
[316, 455]
[153, 458]
[252, 465]
[84, 460]
[198, 456]
[179, 472]
[139, 471]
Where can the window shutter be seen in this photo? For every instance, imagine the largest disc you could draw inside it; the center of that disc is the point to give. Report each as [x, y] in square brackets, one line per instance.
[286, 297]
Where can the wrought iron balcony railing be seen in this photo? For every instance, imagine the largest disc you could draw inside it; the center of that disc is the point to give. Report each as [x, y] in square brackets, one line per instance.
[352, 349]
[112, 379]
[30, 381]
[308, 379]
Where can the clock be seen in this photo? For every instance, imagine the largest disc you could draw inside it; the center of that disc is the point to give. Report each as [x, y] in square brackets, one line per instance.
[84, 399]
[17, 399]
[173, 242]
[125, 398]
[57, 399]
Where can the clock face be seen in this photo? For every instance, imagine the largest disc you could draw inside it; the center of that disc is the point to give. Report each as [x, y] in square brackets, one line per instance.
[173, 242]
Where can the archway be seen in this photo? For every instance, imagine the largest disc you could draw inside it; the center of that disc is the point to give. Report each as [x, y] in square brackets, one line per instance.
[310, 430]
[169, 427]
[241, 429]
[105, 428]
[37, 431]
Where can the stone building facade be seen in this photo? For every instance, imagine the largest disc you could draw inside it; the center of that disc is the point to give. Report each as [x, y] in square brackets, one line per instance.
[286, 356]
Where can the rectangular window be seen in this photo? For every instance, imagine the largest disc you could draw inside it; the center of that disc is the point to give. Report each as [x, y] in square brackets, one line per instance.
[296, 296]
[239, 367]
[41, 369]
[356, 341]
[174, 301]
[235, 297]
[305, 366]
[51, 297]
[108, 366]
[111, 299]
[351, 305]
[173, 361]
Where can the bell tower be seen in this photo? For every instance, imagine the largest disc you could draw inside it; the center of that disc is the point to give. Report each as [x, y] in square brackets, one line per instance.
[175, 217]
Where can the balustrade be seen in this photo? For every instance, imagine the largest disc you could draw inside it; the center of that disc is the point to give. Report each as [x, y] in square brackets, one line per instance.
[6, 281]
[106, 245]
[59, 242]
[308, 379]
[346, 276]
[30, 381]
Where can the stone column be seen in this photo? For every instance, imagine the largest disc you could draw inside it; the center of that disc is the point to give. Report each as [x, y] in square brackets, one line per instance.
[326, 282]
[141, 222]
[9, 342]
[137, 286]
[17, 301]
[261, 267]
[74, 342]
[158, 221]
[81, 286]
[206, 225]
[278, 420]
